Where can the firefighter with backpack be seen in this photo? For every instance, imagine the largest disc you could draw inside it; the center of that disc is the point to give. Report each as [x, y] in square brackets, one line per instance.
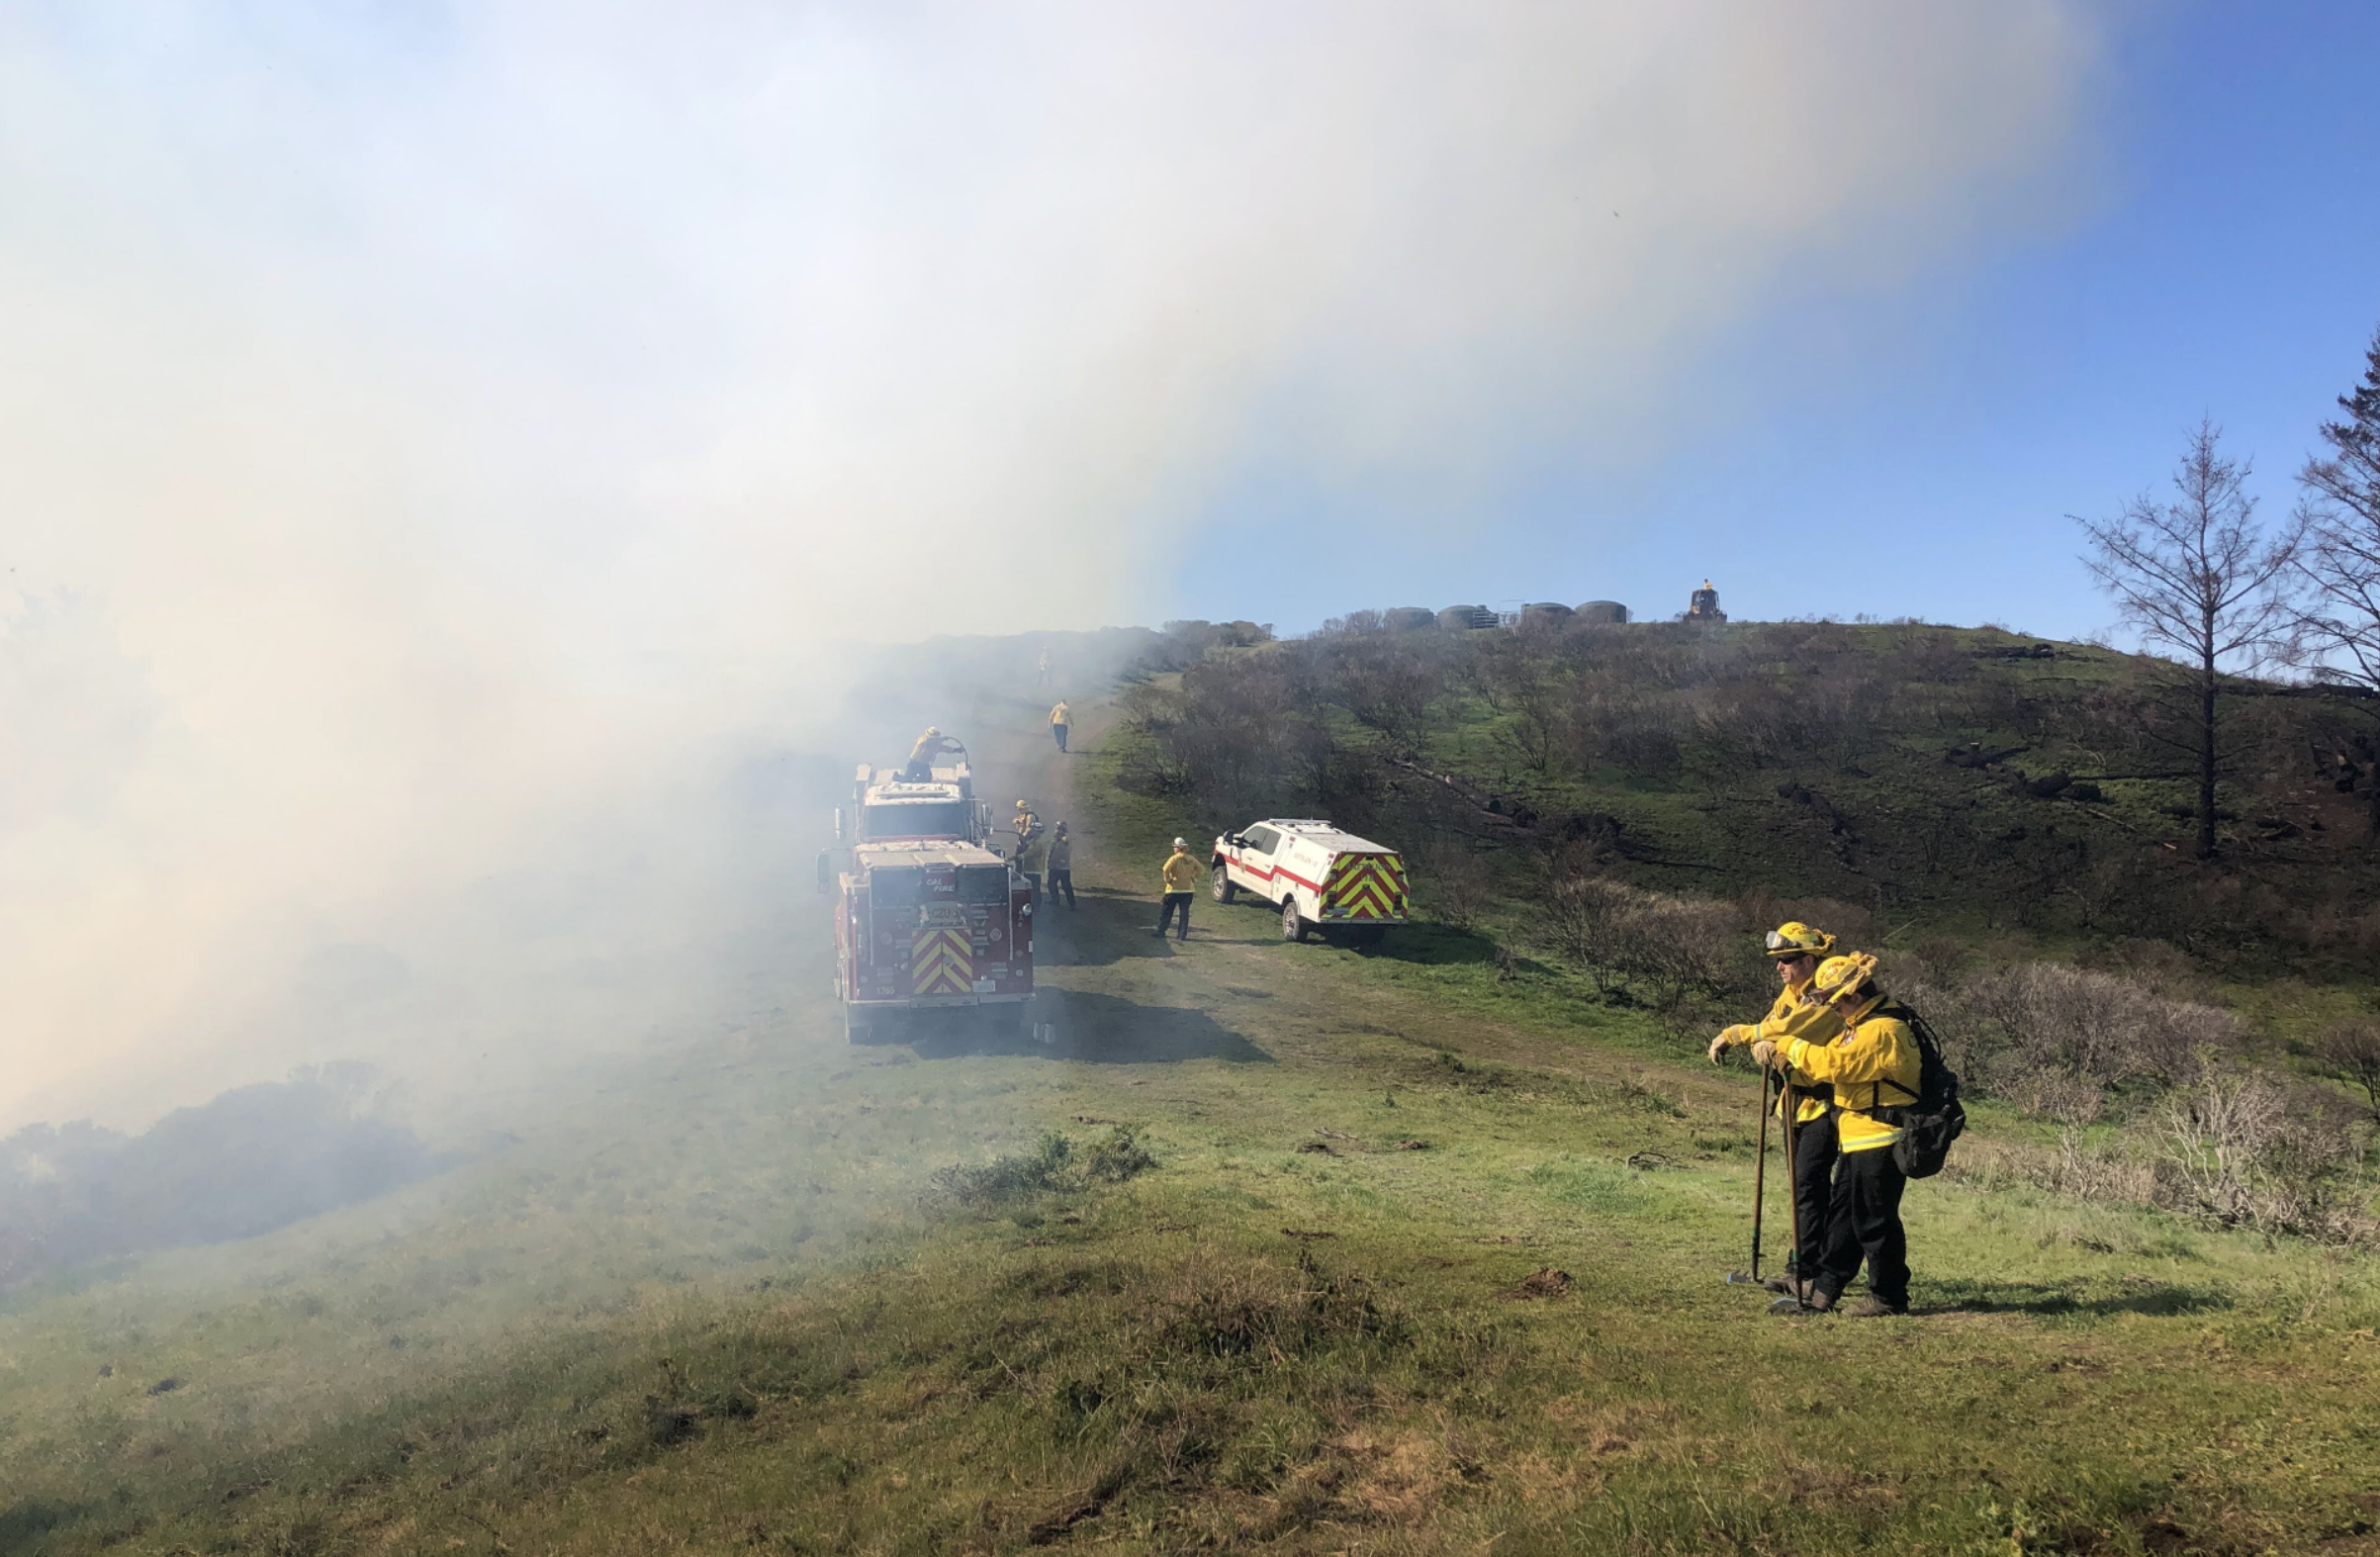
[1795, 950]
[1895, 1111]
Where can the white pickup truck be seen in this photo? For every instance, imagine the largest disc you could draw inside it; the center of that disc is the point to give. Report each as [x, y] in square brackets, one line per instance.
[1319, 878]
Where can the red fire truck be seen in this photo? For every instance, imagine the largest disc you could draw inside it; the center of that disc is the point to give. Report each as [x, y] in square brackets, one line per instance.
[933, 930]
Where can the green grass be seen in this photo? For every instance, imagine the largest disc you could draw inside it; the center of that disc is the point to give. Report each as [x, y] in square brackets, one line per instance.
[767, 1292]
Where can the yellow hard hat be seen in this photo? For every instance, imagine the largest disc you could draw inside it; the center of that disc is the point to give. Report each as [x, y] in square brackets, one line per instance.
[933, 730]
[1838, 974]
[1020, 805]
[1795, 939]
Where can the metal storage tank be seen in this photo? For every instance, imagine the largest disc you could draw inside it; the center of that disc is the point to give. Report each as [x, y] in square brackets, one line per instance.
[1605, 612]
[1545, 614]
[1408, 619]
[1465, 618]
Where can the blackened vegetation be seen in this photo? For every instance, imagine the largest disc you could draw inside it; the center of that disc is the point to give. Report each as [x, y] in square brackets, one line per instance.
[1056, 1163]
[251, 1160]
[1909, 769]
[1180, 644]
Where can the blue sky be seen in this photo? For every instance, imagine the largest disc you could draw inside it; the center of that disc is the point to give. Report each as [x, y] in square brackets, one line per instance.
[1914, 449]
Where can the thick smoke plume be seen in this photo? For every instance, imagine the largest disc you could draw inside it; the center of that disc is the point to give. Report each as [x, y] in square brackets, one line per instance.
[440, 449]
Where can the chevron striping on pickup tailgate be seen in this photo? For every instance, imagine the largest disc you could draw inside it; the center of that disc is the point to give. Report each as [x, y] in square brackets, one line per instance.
[940, 963]
[1366, 887]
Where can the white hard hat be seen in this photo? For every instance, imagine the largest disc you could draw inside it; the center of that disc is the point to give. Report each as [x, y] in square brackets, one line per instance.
[1181, 843]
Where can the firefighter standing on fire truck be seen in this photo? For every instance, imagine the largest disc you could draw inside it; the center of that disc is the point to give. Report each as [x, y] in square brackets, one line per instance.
[920, 766]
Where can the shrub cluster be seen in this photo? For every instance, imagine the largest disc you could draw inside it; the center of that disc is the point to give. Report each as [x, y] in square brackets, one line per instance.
[1345, 723]
[252, 1159]
[1057, 1164]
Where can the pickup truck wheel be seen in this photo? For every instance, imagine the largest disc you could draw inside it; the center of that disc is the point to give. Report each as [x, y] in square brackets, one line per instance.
[1293, 926]
[1223, 887]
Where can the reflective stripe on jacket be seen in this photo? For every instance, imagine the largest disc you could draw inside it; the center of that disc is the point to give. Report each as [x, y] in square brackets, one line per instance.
[1182, 872]
[1793, 1016]
[1873, 1065]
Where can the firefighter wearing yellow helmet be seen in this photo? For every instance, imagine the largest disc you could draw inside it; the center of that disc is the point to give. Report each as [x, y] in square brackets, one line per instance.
[1874, 1067]
[1027, 825]
[920, 766]
[1796, 949]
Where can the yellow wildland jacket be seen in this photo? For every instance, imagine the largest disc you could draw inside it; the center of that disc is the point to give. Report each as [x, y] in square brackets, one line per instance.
[1793, 1016]
[1182, 872]
[1873, 1065]
[1058, 715]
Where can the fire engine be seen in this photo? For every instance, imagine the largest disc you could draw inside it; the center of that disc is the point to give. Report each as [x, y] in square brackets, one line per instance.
[1318, 876]
[933, 929]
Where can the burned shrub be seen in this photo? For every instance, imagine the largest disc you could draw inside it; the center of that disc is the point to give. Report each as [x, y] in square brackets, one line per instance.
[2248, 1150]
[2057, 1040]
[2352, 1053]
[1055, 1165]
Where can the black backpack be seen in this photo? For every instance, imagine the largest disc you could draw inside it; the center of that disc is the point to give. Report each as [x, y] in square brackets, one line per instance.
[1933, 1118]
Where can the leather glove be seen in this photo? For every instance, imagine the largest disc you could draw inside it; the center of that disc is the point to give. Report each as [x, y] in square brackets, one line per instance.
[1764, 1053]
[1727, 1039]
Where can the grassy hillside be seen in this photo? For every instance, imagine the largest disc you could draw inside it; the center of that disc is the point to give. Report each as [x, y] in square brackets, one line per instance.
[1426, 1255]
[1938, 778]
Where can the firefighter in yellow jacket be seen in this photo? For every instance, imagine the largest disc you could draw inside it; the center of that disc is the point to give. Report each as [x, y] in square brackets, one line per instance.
[919, 768]
[1796, 949]
[1875, 1069]
[1181, 875]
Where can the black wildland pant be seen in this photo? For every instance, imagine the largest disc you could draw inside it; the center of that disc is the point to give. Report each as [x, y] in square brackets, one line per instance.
[1062, 882]
[1059, 731]
[1175, 902]
[1864, 1222]
[1814, 1154]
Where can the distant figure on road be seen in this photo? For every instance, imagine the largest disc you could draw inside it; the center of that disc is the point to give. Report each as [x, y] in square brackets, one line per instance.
[1058, 871]
[931, 744]
[1060, 720]
[1182, 875]
[1042, 677]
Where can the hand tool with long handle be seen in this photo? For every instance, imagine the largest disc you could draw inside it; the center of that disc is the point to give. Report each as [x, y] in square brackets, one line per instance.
[1797, 1264]
[1760, 1184]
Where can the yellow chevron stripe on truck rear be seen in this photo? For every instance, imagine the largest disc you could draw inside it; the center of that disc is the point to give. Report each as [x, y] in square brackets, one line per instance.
[942, 962]
[1365, 886]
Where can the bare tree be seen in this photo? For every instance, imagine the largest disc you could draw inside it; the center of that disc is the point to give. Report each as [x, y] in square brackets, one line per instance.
[2338, 629]
[2352, 1053]
[2197, 576]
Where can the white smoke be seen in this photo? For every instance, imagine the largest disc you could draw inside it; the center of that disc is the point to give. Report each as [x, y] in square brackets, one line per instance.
[420, 429]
